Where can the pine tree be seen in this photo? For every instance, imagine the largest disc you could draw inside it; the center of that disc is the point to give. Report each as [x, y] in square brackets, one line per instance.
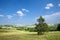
[41, 27]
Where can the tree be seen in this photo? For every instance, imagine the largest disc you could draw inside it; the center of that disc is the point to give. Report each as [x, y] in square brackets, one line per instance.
[58, 27]
[41, 27]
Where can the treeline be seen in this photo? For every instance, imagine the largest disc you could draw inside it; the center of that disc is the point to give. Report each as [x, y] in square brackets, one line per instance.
[54, 27]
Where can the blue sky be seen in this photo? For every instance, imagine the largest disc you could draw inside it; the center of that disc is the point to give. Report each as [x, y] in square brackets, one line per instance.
[27, 11]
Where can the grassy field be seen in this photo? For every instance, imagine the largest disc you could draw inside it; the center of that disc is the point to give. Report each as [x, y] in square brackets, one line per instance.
[23, 35]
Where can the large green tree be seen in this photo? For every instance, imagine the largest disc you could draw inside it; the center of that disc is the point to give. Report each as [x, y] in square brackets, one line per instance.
[41, 26]
[58, 27]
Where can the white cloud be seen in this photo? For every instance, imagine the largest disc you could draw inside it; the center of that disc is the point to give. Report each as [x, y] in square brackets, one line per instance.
[52, 18]
[1, 15]
[48, 6]
[20, 13]
[58, 4]
[9, 16]
[25, 10]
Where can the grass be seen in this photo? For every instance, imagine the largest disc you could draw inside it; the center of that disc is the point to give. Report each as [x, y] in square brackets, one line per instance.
[23, 35]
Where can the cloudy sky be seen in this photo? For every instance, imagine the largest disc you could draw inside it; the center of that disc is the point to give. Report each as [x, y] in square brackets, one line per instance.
[27, 11]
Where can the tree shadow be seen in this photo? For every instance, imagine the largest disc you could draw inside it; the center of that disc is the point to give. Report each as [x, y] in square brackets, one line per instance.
[34, 34]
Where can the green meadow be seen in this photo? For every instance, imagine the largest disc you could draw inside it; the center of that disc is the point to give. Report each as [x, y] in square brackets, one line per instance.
[25, 35]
